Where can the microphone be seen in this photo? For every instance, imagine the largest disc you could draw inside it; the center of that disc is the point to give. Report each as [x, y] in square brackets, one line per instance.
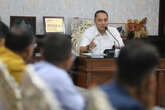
[106, 29]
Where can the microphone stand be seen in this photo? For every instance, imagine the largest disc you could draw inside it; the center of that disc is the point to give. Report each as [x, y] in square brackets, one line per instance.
[106, 28]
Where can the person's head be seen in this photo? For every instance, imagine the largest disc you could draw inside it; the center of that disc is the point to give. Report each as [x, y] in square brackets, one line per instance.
[21, 43]
[101, 20]
[57, 50]
[137, 61]
[4, 31]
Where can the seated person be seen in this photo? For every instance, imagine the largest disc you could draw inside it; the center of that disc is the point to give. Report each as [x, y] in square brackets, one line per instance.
[4, 31]
[53, 70]
[134, 86]
[19, 47]
[100, 36]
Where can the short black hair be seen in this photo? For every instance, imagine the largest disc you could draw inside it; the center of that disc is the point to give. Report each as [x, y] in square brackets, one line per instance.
[56, 48]
[100, 11]
[4, 30]
[18, 42]
[136, 62]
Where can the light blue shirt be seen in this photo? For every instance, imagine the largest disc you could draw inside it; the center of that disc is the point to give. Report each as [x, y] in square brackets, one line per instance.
[61, 84]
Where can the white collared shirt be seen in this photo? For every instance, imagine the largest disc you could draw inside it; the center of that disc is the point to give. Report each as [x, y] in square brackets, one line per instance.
[102, 42]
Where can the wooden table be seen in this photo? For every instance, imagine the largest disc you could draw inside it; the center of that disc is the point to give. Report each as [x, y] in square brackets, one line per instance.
[161, 83]
[95, 71]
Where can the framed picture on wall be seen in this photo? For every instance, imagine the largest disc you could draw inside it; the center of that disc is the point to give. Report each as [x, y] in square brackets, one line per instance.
[54, 24]
[28, 20]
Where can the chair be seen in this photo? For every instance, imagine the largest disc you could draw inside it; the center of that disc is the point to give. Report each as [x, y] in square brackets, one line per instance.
[84, 92]
[97, 100]
[35, 93]
[9, 90]
[78, 27]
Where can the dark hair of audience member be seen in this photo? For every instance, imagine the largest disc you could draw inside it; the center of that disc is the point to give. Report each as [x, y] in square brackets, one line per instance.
[136, 62]
[4, 30]
[19, 41]
[57, 48]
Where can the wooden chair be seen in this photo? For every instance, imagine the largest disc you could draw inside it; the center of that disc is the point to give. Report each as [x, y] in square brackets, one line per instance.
[36, 94]
[9, 90]
[84, 92]
[97, 100]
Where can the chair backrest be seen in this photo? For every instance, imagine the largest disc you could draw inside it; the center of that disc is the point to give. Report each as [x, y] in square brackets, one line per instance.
[78, 26]
[97, 100]
[36, 95]
[9, 90]
[84, 92]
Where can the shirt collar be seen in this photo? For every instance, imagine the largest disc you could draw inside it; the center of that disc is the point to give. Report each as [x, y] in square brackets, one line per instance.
[10, 52]
[45, 63]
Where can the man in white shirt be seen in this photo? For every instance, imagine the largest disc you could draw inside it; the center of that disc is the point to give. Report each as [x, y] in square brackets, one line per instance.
[100, 36]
